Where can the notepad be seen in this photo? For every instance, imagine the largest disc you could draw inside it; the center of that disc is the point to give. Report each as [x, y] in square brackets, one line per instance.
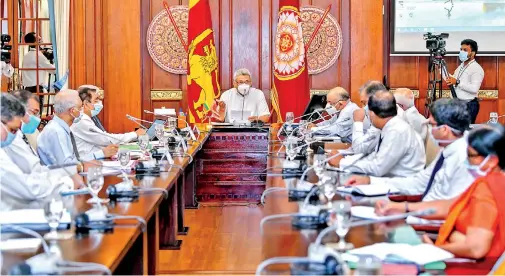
[364, 212]
[420, 254]
[420, 221]
[28, 245]
[369, 190]
[31, 218]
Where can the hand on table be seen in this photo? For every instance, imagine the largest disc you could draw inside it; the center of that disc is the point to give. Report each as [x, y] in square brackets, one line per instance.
[140, 132]
[386, 208]
[427, 239]
[110, 150]
[358, 180]
[359, 115]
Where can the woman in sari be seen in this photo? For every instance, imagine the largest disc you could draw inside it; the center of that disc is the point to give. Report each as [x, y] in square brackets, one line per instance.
[474, 224]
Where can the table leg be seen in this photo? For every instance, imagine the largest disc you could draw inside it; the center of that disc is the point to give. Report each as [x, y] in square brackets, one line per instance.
[190, 187]
[181, 229]
[168, 221]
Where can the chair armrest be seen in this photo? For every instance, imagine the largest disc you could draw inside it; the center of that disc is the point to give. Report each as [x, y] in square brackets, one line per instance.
[408, 198]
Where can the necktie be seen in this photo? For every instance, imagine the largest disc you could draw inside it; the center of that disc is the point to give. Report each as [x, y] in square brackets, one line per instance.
[28, 143]
[380, 142]
[438, 166]
[74, 146]
[97, 122]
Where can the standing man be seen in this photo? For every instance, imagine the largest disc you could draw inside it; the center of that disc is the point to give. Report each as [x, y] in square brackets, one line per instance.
[468, 77]
[242, 99]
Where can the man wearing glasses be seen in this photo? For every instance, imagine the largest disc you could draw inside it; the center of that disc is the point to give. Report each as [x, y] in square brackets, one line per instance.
[242, 102]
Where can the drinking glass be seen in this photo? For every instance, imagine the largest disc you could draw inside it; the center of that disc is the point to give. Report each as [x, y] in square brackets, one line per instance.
[144, 143]
[124, 158]
[328, 189]
[319, 164]
[53, 211]
[303, 130]
[291, 145]
[171, 124]
[368, 265]
[95, 184]
[342, 218]
[290, 119]
[159, 130]
[493, 118]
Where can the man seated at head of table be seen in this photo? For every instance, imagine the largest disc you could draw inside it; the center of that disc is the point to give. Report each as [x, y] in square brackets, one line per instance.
[20, 184]
[341, 110]
[364, 134]
[474, 224]
[242, 99]
[89, 138]
[56, 143]
[399, 151]
[446, 177]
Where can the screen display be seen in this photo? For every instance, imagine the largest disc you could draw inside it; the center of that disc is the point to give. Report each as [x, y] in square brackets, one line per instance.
[480, 20]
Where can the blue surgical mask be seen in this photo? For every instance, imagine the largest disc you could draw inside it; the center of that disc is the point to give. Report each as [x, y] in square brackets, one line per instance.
[463, 56]
[476, 170]
[10, 138]
[76, 119]
[366, 108]
[31, 126]
[97, 108]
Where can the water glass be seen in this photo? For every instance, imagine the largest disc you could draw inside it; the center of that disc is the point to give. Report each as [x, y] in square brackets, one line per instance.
[493, 118]
[341, 212]
[291, 145]
[319, 164]
[124, 158]
[53, 211]
[144, 143]
[171, 124]
[328, 188]
[95, 183]
[368, 265]
[290, 118]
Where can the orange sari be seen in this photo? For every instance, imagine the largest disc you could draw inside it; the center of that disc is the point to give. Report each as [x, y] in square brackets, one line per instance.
[482, 205]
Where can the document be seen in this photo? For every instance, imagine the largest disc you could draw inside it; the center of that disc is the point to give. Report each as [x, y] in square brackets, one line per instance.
[420, 254]
[369, 190]
[364, 212]
[29, 216]
[28, 245]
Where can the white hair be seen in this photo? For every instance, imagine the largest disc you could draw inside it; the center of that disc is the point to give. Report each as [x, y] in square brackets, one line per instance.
[405, 101]
[89, 86]
[65, 100]
[241, 72]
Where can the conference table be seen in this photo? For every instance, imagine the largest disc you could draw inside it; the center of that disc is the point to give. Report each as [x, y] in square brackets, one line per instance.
[129, 250]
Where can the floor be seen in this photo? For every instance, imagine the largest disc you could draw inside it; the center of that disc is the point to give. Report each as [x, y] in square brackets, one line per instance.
[221, 240]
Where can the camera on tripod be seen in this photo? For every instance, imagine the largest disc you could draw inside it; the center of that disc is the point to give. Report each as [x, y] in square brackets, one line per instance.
[5, 50]
[435, 43]
[48, 53]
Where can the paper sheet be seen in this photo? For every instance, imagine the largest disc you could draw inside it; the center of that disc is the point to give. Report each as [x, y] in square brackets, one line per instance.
[24, 245]
[29, 216]
[364, 212]
[369, 190]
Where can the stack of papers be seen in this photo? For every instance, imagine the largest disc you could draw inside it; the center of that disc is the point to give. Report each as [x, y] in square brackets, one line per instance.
[369, 190]
[364, 212]
[31, 218]
[420, 254]
[29, 245]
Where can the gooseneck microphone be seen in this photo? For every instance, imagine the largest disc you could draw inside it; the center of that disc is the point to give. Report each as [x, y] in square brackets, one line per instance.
[136, 121]
[106, 135]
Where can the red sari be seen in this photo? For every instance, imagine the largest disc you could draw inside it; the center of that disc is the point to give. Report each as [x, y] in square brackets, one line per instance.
[482, 205]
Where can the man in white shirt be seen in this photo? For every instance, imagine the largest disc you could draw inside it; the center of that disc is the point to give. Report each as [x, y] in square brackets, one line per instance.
[447, 177]
[88, 137]
[18, 186]
[242, 102]
[468, 77]
[29, 77]
[98, 104]
[56, 143]
[341, 113]
[32, 104]
[405, 99]
[399, 150]
[363, 133]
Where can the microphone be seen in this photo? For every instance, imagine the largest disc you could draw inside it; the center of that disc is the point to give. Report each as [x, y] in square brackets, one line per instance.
[420, 213]
[324, 161]
[135, 120]
[106, 135]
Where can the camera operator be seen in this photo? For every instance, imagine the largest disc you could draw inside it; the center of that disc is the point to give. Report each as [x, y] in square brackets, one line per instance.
[29, 77]
[468, 77]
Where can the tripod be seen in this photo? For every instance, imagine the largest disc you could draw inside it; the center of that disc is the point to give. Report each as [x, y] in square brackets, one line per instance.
[437, 70]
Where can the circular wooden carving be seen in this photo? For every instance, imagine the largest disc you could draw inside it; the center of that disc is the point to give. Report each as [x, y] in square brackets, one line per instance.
[163, 43]
[327, 44]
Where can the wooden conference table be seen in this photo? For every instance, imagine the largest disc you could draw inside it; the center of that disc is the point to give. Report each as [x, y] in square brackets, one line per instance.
[128, 250]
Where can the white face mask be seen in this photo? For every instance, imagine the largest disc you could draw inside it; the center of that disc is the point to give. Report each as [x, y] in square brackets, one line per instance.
[243, 89]
[476, 170]
[438, 142]
[331, 110]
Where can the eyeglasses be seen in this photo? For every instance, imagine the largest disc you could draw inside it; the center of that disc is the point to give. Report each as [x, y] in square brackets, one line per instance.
[243, 82]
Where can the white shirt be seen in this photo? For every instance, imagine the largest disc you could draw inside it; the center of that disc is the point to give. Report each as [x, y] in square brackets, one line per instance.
[364, 135]
[341, 123]
[7, 69]
[90, 142]
[23, 155]
[253, 104]
[470, 78]
[450, 181]
[401, 153]
[29, 77]
[416, 121]
[18, 189]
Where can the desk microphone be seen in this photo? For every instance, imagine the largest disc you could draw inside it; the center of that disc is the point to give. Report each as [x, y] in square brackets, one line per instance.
[324, 161]
[136, 120]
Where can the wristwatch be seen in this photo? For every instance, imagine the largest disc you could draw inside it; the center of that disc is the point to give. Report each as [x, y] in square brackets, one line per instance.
[457, 83]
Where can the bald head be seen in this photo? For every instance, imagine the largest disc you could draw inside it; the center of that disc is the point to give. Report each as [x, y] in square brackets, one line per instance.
[404, 98]
[337, 94]
[65, 100]
[383, 104]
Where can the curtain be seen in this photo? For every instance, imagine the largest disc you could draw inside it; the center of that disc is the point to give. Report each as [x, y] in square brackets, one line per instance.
[59, 15]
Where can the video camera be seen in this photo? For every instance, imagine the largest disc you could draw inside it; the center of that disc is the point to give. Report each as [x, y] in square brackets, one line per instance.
[435, 43]
[48, 53]
[5, 50]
